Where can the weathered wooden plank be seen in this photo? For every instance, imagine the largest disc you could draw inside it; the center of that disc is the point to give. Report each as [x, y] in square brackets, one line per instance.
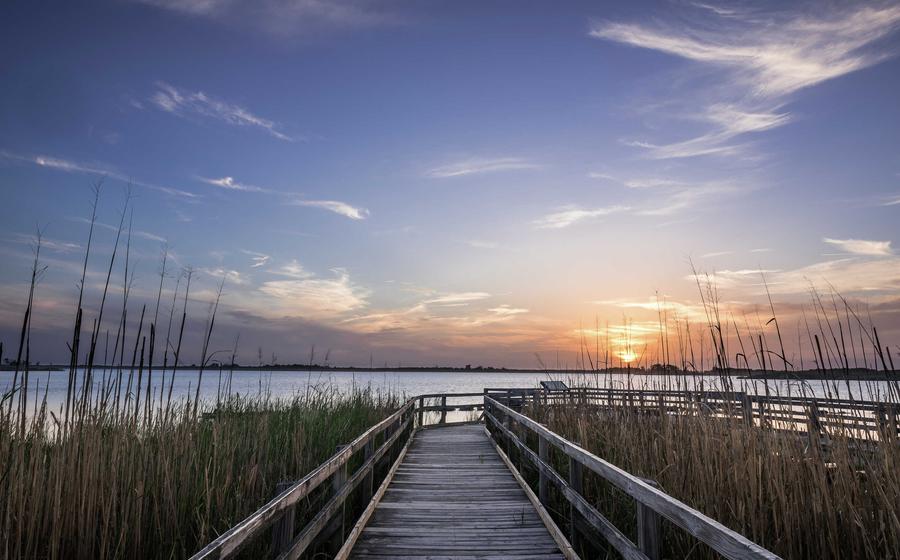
[452, 497]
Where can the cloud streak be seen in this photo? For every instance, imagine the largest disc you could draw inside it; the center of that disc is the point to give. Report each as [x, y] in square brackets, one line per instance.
[477, 166]
[764, 60]
[571, 215]
[861, 246]
[336, 206]
[285, 18]
[181, 102]
[316, 297]
[69, 166]
[230, 184]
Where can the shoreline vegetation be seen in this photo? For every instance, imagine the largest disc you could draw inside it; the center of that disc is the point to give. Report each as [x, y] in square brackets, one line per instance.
[851, 374]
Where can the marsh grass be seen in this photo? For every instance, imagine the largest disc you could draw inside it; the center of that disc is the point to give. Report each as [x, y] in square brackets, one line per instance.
[772, 487]
[114, 488]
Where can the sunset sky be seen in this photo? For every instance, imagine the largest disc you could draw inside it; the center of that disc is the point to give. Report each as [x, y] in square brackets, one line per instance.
[445, 182]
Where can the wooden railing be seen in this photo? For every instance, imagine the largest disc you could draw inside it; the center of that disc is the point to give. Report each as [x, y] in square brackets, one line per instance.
[509, 427]
[381, 444]
[437, 403]
[279, 513]
[815, 415]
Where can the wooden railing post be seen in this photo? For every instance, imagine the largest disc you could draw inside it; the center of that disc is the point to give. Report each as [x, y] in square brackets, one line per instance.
[649, 531]
[543, 454]
[814, 429]
[649, 527]
[337, 483]
[746, 409]
[881, 421]
[283, 530]
[576, 479]
[421, 411]
[444, 409]
[368, 482]
[892, 422]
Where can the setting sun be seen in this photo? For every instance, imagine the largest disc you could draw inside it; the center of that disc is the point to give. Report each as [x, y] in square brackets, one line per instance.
[627, 356]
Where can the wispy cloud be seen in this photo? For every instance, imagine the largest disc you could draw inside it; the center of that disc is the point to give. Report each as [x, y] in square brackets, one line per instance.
[571, 215]
[287, 17]
[230, 184]
[476, 166]
[55, 245]
[336, 206]
[891, 200]
[69, 166]
[507, 311]
[764, 59]
[683, 197]
[684, 310]
[460, 298]
[482, 244]
[316, 297]
[181, 102]
[861, 246]
[851, 275]
[135, 233]
[715, 254]
[293, 269]
[259, 259]
[667, 196]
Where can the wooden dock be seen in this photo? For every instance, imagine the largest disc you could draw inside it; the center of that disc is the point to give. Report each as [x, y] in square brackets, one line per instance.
[455, 490]
[452, 496]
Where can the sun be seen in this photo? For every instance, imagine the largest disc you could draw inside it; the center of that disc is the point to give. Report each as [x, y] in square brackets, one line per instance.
[627, 356]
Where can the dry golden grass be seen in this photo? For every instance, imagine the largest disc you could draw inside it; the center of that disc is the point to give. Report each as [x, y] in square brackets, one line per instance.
[113, 489]
[773, 488]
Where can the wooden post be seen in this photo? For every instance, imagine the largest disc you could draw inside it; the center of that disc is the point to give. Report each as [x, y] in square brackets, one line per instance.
[881, 420]
[444, 409]
[649, 531]
[814, 429]
[421, 412]
[746, 408]
[338, 479]
[283, 530]
[892, 422]
[649, 528]
[508, 425]
[576, 479]
[368, 450]
[543, 453]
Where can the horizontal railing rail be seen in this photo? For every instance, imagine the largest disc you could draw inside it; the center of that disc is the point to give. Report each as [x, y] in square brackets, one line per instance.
[278, 513]
[815, 415]
[504, 423]
[231, 541]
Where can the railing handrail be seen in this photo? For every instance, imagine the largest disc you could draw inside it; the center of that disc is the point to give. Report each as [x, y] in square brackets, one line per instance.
[229, 542]
[727, 542]
[735, 395]
[232, 540]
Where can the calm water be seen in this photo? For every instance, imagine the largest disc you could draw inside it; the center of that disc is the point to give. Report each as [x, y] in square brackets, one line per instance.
[288, 383]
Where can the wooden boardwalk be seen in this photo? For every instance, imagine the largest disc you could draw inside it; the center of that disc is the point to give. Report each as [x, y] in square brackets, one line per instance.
[454, 497]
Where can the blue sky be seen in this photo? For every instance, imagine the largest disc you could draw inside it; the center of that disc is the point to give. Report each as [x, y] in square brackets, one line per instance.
[450, 182]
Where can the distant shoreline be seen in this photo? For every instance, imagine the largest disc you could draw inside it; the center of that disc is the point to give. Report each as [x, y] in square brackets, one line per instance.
[854, 374]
